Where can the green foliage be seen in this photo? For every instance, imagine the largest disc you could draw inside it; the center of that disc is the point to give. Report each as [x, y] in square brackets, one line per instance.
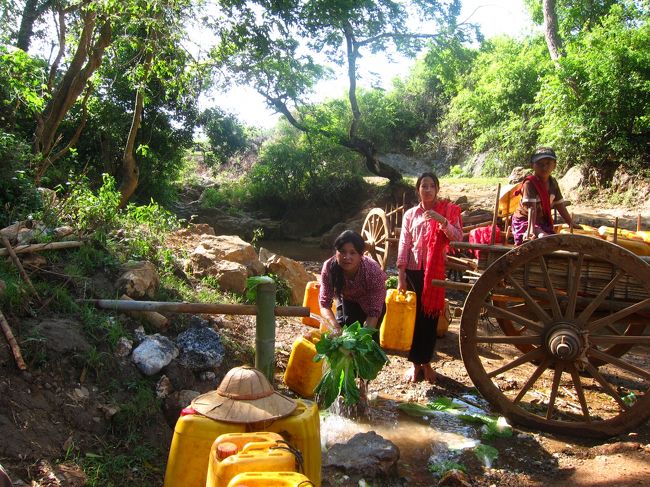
[89, 212]
[391, 282]
[351, 355]
[135, 413]
[226, 134]
[596, 107]
[486, 454]
[18, 195]
[282, 289]
[116, 465]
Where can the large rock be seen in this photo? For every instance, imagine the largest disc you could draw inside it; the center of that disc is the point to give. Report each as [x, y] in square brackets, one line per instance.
[573, 181]
[366, 455]
[291, 271]
[154, 353]
[212, 249]
[200, 346]
[138, 280]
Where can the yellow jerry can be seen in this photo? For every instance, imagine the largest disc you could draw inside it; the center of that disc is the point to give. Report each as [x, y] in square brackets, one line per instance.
[187, 465]
[270, 479]
[310, 300]
[396, 332]
[303, 374]
[234, 453]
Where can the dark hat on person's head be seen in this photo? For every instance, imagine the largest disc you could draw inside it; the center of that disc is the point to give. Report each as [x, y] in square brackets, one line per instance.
[542, 153]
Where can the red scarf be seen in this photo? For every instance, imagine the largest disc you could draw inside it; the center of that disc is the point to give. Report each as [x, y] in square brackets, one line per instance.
[540, 187]
[437, 242]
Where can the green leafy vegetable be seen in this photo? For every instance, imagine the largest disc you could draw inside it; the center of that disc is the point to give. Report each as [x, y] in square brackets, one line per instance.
[352, 354]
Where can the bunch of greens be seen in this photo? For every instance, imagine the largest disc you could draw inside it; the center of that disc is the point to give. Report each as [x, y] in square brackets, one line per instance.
[492, 427]
[352, 354]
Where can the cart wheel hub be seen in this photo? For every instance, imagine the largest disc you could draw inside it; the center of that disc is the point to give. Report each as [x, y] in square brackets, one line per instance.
[564, 342]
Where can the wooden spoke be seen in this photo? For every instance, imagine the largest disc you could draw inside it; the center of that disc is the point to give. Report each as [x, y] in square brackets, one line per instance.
[577, 384]
[542, 315]
[557, 375]
[574, 285]
[598, 300]
[620, 363]
[533, 378]
[527, 339]
[499, 312]
[555, 305]
[375, 233]
[606, 385]
[534, 354]
[633, 340]
[614, 317]
[613, 330]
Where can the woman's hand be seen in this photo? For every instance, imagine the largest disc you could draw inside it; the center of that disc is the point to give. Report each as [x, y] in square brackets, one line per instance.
[434, 215]
[401, 281]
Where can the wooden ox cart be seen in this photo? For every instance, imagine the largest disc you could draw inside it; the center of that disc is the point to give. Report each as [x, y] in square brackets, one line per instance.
[568, 314]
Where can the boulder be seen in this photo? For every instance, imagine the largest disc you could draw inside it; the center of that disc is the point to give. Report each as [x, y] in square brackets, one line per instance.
[60, 335]
[573, 181]
[518, 174]
[212, 249]
[294, 273]
[405, 165]
[200, 346]
[138, 280]
[366, 455]
[154, 353]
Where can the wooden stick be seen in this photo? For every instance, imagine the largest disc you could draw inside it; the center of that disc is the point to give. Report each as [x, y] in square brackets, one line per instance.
[206, 308]
[21, 269]
[493, 234]
[23, 249]
[638, 222]
[615, 230]
[15, 349]
[156, 319]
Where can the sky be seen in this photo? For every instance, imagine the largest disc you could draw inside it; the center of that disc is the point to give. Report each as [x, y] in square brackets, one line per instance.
[494, 17]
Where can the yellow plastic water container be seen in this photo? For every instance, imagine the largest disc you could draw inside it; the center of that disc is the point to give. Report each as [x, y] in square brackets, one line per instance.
[234, 453]
[396, 331]
[443, 320]
[270, 479]
[310, 300]
[187, 465]
[303, 374]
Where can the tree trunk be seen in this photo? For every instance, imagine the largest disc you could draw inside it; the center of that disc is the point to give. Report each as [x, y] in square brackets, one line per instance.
[72, 85]
[130, 170]
[551, 32]
[31, 12]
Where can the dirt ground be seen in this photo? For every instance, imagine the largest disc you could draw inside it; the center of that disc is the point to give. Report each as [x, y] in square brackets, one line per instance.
[49, 412]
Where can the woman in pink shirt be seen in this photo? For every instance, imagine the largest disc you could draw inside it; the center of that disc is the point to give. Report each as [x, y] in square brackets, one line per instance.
[356, 281]
[424, 240]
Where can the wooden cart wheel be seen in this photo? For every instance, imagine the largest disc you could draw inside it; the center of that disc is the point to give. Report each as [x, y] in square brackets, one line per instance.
[375, 233]
[572, 298]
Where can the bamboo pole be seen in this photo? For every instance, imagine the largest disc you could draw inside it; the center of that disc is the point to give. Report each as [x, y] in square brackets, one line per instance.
[615, 230]
[13, 344]
[199, 308]
[265, 329]
[19, 266]
[156, 319]
[493, 233]
[638, 222]
[24, 249]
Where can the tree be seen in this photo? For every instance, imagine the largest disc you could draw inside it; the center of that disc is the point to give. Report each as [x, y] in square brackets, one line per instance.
[269, 51]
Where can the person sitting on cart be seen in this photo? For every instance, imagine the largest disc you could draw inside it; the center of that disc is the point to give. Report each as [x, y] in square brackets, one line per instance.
[540, 192]
[356, 281]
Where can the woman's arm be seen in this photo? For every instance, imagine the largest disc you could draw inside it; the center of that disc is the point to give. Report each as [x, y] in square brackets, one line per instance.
[404, 250]
[326, 297]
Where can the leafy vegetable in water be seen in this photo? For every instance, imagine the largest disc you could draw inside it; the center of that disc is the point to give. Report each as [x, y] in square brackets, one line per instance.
[352, 354]
[493, 427]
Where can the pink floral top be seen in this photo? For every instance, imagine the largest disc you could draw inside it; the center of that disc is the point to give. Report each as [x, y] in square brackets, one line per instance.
[367, 288]
[412, 251]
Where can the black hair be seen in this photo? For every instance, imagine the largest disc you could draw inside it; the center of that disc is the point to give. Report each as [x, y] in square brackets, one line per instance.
[337, 280]
[436, 181]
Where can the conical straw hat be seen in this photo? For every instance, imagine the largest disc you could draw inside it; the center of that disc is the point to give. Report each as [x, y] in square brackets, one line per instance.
[244, 396]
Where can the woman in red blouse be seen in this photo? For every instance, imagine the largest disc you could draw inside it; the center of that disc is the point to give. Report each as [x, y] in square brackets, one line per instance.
[356, 281]
[424, 240]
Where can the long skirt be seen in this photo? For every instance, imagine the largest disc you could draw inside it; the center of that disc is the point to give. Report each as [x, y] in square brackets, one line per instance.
[424, 335]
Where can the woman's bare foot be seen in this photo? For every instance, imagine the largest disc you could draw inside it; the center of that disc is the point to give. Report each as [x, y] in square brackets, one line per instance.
[429, 373]
[412, 373]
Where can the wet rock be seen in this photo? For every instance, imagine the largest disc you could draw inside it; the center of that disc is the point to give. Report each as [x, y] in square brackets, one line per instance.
[200, 347]
[138, 280]
[366, 454]
[154, 353]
